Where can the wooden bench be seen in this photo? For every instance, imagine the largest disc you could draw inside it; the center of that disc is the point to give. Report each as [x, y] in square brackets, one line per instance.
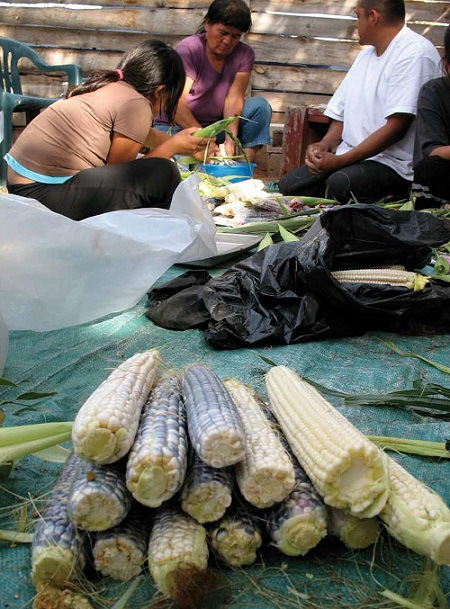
[303, 126]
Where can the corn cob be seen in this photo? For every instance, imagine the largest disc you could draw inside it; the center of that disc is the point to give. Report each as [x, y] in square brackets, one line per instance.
[213, 422]
[236, 539]
[121, 551]
[105, 426]
[98, 498]
[266, 475]
[346, 468]
[158, 458]
[57, 551]
[386, 276]
[356, 533]
[207, 491]
[417, 516]
[177, 544]
[297, 524]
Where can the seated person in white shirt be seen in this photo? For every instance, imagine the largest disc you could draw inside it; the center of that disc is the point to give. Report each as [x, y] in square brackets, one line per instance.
[367, 152]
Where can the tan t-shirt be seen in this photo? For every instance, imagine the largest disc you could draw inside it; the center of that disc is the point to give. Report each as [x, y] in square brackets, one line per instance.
[74, 134]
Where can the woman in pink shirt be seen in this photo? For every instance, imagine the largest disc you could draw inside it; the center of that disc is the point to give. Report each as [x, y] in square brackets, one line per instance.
[218, 67]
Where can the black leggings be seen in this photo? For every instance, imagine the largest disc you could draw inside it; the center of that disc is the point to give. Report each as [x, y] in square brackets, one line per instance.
[367, 182]
[148, 182]
[432, 182]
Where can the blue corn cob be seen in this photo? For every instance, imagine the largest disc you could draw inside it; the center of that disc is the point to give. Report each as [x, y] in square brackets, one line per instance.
[157, 461]
[214, 424]
[57, 551]
[99, 498]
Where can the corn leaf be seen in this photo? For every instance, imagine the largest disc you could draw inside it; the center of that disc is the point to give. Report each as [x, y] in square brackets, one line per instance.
[422, 448]
[217, 127]
[265, 242]
[17, 451]
[15, 536]
[286, 235]
[54, 454]
[10, 436]
[123, 600]
[4, 381]
[394, 348]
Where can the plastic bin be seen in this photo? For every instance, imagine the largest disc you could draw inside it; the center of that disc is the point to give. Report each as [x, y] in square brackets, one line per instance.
[236, 173]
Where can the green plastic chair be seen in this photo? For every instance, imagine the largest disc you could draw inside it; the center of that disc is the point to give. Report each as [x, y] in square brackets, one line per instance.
[11, 96]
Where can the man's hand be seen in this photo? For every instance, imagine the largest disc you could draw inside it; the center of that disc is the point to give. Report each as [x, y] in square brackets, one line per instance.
[325, 162]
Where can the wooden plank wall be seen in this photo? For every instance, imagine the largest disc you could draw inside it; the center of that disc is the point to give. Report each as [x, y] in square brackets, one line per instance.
[303, 47]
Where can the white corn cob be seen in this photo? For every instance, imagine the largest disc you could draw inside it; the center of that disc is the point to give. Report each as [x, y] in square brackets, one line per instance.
[214, 425]
[266, 475]
[356, 533]
[207, 491]
[157, 461]
[106, 424]
[177, 545]
[236, 538]
[417, 516]
[346, 468]
[98, 498]
[120, 552]
[386, 276]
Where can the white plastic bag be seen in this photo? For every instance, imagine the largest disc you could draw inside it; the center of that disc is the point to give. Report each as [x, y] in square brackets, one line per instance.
[56, 272]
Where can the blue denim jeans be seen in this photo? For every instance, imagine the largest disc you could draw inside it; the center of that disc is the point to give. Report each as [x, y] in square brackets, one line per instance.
[251, 133]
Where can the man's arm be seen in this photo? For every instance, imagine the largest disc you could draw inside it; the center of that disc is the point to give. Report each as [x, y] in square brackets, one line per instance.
[233, 104]
[392, 131]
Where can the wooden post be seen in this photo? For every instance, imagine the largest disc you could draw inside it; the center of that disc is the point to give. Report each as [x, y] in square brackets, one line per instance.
[292, 137]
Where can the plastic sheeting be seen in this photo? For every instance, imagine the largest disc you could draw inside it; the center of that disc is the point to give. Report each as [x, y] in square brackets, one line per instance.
[286, 293]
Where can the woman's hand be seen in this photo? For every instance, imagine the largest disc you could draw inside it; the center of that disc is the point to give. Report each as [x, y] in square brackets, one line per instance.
[184, 142]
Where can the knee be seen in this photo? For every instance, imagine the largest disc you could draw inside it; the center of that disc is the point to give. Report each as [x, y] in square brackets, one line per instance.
[259, 108]
[426, 170]
[338, 186]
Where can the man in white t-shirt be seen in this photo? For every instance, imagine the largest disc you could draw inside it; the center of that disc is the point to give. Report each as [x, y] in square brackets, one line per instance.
[367, 152]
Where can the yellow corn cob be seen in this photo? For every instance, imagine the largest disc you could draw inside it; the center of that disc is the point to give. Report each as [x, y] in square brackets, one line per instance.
[389, 276]
[356, 533]
[106, 424]
[346, 468]
[417, 516]
[177, 543]
[266, 475]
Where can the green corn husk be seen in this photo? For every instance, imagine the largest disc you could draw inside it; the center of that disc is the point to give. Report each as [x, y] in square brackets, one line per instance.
[216, 128]
[422, 448]
[293, 223]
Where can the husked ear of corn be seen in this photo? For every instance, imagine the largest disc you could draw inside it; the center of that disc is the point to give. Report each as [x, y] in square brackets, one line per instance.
[214, 425]
[120, 552]
[417, 516]
[266, 475]
[106, 424]
[236, 538]
[98, 498]
[207, 491]
[177, 544]
[298, 523]
[346, 468]
[356, 533]
[57, 552]
[386, 276]
[158, 458]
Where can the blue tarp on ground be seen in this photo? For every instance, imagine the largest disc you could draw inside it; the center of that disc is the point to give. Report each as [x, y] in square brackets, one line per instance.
[74, 361]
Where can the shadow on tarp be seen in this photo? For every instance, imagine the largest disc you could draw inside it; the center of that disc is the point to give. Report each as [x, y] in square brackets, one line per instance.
[286, 294]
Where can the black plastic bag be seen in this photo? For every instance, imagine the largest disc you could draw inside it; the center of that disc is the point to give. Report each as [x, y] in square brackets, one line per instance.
[286, 294]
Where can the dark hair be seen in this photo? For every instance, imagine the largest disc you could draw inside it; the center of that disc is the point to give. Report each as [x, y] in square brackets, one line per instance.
[232, 13]
[149, 65]
[446, 56]
[392, 11]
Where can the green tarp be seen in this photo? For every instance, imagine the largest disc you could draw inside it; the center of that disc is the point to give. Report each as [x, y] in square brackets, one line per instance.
[74, 361]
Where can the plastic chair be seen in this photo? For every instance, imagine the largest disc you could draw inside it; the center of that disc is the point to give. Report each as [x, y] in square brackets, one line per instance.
[11, 96]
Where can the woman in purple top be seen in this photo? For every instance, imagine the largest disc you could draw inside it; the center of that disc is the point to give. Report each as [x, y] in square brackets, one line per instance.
[218, 68]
